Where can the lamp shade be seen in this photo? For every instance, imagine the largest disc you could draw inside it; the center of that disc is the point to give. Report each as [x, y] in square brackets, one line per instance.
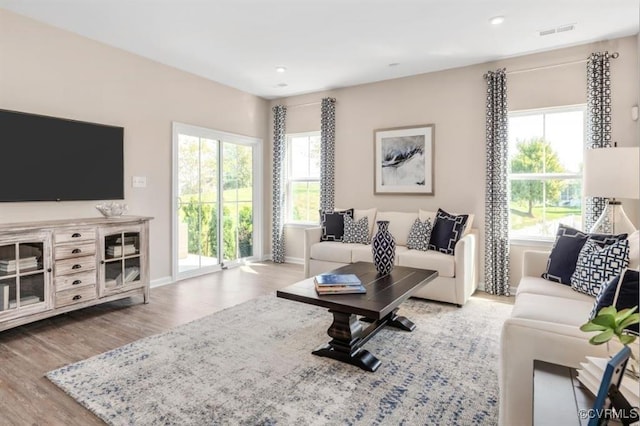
[612, 172]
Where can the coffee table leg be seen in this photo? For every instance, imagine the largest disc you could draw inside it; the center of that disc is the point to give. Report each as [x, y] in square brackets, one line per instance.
[347, 332]
[401, 322]
[396, 321]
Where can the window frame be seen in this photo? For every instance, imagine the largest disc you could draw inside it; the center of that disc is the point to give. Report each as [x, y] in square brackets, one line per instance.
[540, 239]
[289, 180]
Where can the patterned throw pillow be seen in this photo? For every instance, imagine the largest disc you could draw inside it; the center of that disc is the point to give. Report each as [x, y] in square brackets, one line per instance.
[333, 225]
[597, 265]
[622, 292]
[565, 251]
[447, 230]
[419, 235]
[356, 231]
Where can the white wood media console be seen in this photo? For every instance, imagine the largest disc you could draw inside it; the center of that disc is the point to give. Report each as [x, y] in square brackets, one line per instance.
[51, 267]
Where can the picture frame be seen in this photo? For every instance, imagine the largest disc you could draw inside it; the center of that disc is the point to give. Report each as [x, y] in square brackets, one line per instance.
[403, 160]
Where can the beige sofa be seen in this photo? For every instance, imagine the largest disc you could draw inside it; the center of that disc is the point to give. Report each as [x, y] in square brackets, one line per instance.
[544, 325]
[457, 274]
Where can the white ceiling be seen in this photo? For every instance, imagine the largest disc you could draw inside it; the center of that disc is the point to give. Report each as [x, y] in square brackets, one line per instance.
[327, 44]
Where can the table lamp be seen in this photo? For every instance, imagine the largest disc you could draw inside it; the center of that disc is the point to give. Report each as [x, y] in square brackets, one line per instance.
[612, 173]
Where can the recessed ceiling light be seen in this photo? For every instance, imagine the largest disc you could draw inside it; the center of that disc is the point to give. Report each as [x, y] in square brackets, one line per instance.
[281, 69]
[282, 84]
[496, 20]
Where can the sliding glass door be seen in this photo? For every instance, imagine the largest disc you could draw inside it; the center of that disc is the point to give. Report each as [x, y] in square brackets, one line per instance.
[215, 214]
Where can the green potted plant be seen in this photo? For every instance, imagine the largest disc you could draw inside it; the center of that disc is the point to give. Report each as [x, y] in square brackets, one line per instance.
[611, 323]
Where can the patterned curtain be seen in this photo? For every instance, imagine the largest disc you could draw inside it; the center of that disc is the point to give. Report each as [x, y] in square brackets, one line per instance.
[598, 124]
[496, 230]
[327, 154]
[279, 149]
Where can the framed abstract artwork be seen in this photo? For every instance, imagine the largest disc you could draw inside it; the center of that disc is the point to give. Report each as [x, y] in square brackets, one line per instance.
[403, 160]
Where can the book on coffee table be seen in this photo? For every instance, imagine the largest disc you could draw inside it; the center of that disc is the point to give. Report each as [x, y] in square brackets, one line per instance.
[333, 280]
[341, 289]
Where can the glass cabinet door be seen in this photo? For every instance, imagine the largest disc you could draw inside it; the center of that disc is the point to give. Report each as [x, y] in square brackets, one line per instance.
[23, 280]
[121, 261]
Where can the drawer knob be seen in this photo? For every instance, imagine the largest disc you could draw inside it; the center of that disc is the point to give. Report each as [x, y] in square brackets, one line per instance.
[76, 235]
[76, 267]
[49, 270]
[77, 297]
[76, 282]
[76, 251]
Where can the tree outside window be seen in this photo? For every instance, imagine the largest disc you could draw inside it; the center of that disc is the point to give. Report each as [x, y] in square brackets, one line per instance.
[545, 153]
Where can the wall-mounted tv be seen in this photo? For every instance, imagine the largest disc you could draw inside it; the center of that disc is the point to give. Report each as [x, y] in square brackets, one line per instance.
[53, 159]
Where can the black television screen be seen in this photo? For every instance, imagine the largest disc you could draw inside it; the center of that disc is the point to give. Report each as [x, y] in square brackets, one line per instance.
[53, 159]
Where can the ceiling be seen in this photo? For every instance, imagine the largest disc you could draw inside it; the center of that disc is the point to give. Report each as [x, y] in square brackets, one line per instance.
[327, 44]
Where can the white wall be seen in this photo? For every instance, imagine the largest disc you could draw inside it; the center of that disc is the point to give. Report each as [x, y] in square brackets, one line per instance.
[49, 71]
[454, 100]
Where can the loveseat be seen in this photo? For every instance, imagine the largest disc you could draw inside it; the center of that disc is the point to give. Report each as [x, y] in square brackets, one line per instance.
[457, 273]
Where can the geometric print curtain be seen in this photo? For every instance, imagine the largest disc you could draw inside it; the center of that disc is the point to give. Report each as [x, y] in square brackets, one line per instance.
[327, 154]
[279, 149]
[598, 125]
[496, 228]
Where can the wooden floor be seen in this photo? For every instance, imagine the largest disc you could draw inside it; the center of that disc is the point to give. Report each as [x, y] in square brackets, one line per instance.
[30, 351]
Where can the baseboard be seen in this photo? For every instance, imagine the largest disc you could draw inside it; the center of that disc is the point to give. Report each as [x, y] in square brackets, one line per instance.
[159, 282]
[481, 285]
[295, 260]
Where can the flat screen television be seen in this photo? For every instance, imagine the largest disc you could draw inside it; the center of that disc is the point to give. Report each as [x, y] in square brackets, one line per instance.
[53, 159]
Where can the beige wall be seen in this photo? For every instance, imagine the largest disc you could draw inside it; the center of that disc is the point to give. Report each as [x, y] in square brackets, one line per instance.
[454, 100]
[48, 71]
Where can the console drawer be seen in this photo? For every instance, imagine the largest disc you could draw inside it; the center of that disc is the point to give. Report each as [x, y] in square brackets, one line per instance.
[75, 265]
[65, 282]
[74, 234]
[66, 251]
[75, 295]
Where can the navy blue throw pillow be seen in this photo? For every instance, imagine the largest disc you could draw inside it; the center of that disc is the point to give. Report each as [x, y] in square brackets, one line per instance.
[447, 230]
[627, 294]
[566, 248]
[333, 224]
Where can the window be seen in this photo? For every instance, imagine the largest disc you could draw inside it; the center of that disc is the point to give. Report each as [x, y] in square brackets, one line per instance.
[303, 177]
[545, 176]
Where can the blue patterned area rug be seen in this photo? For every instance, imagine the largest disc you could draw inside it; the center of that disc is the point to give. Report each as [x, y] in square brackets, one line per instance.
[252, 364]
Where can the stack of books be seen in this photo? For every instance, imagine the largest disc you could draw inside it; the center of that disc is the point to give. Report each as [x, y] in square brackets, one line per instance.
[338, 284]
[115, 251]
[10, 266]
[590, 375]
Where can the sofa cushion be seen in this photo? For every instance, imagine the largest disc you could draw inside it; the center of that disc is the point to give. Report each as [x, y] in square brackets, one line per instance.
[333, 251]
[622, 292]
[361, 253]
[447, 230]
[597, 265]
[419, 235]
[538, 285]
[634, 250]
[356, 231]
[399, 225]
[426, 214]
[443, 263]
[566, 248]
[556, 310]
[333, 224]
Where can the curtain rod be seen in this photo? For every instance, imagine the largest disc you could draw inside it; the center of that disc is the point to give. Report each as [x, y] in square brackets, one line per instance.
[333, 100]
[614, 55]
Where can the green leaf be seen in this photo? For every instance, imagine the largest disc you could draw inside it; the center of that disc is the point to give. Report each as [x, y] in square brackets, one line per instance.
[626, 339]
[592, 327]
[605, 320]
[623, 314]
[609, 310]
[601, 338]
[633, 319]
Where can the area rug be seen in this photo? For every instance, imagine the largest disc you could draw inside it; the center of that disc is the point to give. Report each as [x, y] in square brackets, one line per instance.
[252, 365]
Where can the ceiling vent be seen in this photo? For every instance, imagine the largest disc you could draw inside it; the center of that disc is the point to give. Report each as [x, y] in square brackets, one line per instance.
[560, 29]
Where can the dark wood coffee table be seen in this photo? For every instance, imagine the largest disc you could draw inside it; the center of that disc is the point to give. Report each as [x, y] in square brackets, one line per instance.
[379, 307]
